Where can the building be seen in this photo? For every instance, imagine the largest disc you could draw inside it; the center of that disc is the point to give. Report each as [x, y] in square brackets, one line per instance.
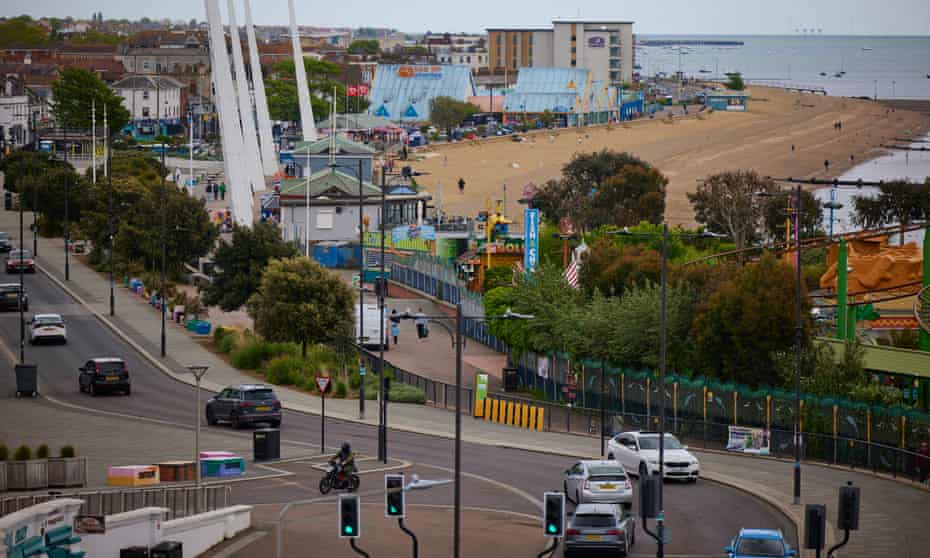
[156, 104]
[22, 111]
[732, 101]
[460, 49]
[603, 46]
[310, 157]
[402, 93]
[571, 94]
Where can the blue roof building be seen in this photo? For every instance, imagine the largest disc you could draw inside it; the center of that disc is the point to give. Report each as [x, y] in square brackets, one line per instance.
[568, 92]
[402, 93]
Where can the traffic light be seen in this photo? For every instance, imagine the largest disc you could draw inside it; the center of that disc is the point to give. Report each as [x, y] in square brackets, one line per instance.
[554, 522]
[815, 526]
[649, 496]
[394, 496]
[848, 510]
[349, 521]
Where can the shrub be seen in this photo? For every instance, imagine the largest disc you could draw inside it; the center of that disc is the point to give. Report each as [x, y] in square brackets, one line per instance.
[67, 451]
[286, 370]
[42, 452]
[355, 381]
[228, 342]
[341, 391]
[221, 332]
[22, 453]
[254, 352]
[404, 393]
[4, 452]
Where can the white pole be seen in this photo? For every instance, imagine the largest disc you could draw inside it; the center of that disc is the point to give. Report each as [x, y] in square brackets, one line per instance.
[303, 92]
[252, 159]
[269, 157]
[106, 142]
[93, 138]
[309, 171]
[190, 124]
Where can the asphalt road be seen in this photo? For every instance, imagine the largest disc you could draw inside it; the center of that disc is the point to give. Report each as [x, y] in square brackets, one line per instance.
[702, 518]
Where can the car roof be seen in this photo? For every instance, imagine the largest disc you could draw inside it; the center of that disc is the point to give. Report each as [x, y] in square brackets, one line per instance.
[587, 509]
[9, 285]
[604, 462]
[251, 387]
[107, 359]
[49, 316]
[761, 534]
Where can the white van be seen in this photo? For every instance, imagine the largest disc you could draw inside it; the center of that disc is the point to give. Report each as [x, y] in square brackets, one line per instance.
[372, 330]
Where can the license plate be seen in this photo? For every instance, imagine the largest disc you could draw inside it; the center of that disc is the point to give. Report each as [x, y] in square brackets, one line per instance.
[266, 408]
[48, 329]
[112, 378]
[607, 486]
[592, 538]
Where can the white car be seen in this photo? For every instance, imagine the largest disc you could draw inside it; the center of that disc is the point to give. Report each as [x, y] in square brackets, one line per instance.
[639, 451]
[47, 328]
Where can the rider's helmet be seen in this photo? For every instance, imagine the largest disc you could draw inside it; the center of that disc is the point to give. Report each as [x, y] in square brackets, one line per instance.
[346, 448]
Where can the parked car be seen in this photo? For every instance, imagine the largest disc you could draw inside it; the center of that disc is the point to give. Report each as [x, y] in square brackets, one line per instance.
[10, 297]
[601, 482]
[47, 328]
[639, 451]
[104, 374]
[759, 542]
[20, 259]
[245, 404]
[5, 244]
[600, 528]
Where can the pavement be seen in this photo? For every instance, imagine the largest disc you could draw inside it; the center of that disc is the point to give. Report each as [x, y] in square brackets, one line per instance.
[512, 462]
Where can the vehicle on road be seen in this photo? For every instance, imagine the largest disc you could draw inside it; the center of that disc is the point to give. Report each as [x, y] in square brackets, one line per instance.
[337, 478]
[5, 244]
[245, 404]
[10, 298]
[639, 451]
[600, 528]
[753, 543]
[45, 328]
[20, 259]
[104, 375]
[600, 482]
[371, 337]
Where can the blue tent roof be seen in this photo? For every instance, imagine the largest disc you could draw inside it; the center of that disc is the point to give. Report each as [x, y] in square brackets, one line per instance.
[558, 90]
[403, 92]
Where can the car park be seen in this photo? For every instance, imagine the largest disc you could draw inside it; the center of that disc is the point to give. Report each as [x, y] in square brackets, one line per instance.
[104, 375]
[20, 259]
[10, 297]
[245, 404]
[602, 482]
[601, 529]
[754, 543]
[46, 328]
[5, 244]
[639, 451]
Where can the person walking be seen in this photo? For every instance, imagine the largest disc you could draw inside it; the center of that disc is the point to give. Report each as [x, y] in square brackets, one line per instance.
[216, 192]
[461, 185]
[223, 191]
[420, 321]
[395, 325]
[923, 461]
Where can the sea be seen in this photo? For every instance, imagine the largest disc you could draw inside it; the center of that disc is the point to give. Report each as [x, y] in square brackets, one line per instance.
[845, 66]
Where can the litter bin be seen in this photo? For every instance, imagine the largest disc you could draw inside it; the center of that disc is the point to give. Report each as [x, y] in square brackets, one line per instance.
[266, 444]
[134, 552]
[8, 201]
[27, 380]
[167, 549]
[511, 379]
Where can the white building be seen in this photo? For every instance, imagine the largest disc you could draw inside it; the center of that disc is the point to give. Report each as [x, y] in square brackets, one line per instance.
[152, 97]
[460, 49]
[14, 121]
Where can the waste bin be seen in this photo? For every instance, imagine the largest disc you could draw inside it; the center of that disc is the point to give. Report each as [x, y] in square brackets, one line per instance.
[134, 552]
[511, 379]
[8, 201]
[266, 444]
[166, 549]
[27, 380]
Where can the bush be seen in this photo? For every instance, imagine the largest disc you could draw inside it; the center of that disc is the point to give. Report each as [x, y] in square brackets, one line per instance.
[341, 390]
[22, 453]
[67, 452]
[228, 341]
[355, 381]
[4, 452]
[405, 393]
[287, 370]
[42, 452]
[254, 352]
[221, 332]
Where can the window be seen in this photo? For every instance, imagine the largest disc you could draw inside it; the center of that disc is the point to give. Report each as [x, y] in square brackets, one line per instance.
[145, 95]
[145, 112]
[574, 50]
[598, 520]
[573, 38]
[145, 66]
[324, 219]
[573, 63]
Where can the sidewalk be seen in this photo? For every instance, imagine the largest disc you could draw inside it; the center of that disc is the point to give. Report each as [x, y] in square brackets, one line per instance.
[889, 509]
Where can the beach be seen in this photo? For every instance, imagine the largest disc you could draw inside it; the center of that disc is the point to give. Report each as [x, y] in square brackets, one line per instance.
[685, 151]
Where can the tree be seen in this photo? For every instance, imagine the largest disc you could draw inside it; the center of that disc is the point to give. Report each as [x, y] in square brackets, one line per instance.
[73, 94]
[747, 322]
[283, 103]
[299, 301]
[497, 277]
[726, 203]
[634, 195]
[21, 31]
[369, 46]
[776, 214]
[322, 77]
[735, 82]
[47, 186]
[447, 113]
[611, 268]
[240, 264]
[899, 202]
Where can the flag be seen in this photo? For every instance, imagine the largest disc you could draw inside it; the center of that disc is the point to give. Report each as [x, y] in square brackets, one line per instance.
[572, 271]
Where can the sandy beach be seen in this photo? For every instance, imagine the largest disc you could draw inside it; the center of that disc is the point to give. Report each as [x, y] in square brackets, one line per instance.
[685, 151]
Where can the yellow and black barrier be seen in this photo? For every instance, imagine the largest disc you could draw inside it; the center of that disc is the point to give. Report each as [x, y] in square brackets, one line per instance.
[510, 413]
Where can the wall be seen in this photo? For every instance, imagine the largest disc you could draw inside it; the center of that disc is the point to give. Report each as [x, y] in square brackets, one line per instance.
[167, 102]
[142, 527]
[542, 49]
[562, 45]
[345, 224]
[201, 532]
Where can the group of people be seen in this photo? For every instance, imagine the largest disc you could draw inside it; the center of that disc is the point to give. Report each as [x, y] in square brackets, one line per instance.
[419, 319]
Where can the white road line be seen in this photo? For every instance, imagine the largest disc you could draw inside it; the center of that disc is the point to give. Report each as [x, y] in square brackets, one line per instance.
[521, 493]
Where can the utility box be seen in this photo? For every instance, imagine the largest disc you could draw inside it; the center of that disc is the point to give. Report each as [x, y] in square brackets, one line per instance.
[134, 552]
[266, 444]
[27, 383]
[167, 549]
[511, 379]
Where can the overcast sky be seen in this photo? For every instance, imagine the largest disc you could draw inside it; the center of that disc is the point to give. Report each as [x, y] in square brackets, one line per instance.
[887, 17]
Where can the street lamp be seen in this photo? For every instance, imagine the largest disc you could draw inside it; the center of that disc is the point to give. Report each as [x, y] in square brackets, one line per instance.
[164, 247]
[198, 371]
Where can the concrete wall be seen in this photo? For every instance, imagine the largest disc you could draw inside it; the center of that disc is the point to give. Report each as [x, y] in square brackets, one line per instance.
[142, 527]
[345, 224]
[542, 49]
[201, 532]
[562, 45]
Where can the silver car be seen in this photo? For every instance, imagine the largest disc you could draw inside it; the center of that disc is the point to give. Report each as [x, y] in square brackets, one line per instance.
[598, 482]
[599, 528]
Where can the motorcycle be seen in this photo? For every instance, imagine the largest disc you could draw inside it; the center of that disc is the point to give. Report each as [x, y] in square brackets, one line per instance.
[336, 478]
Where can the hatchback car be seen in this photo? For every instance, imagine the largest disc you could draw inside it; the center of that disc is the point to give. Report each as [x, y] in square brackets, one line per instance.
[10, 297]
[47, 328]
[245, 404]
[5, 244]
[639, 451]
[600, 528]
[20, 259]
[104, 374]
[753, 543]
[601, 482]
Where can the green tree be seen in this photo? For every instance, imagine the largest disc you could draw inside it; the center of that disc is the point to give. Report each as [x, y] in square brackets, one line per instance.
[46, 188]
[634, 195]
[727, 203]
[899, 202]
[21, 31]
[73, 94]
[497, 277]
[447, 113]
[322, 77]
[369, 46]
[735, 82]
[611, 268]
[776, 213]
[299, 301]
[240, 264]
[282, 100]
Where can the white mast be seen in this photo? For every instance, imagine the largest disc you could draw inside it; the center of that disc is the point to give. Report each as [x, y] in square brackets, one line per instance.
[269, 157]
[252, 159]
[93, 137]
[303, 91]
[106, 143]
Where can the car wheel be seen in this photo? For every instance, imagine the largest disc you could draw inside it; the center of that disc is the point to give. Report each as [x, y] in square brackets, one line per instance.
[93, 390]
[643, 473]
[236, 423]
[128, 390]
[211, 420]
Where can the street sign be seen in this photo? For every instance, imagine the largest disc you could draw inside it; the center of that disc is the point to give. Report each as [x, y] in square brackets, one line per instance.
[322, 382]
[361, 370]
[530, 240]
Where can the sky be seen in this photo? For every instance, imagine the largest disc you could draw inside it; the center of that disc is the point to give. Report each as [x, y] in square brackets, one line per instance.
[749, 17]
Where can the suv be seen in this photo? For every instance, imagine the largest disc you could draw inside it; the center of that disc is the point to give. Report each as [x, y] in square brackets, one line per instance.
[10, 297]
[599, 528]
[245, 404]
[103, 374]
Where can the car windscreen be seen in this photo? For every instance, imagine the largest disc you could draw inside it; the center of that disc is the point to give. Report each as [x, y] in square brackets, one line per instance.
[258, 395]
[606, 473]
[20, 255]
[652, 442]
[760, 547]
[109, 366]
[48, 322]
[595, 520]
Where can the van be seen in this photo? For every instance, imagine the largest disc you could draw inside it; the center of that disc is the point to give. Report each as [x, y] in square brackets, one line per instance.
[371, 335]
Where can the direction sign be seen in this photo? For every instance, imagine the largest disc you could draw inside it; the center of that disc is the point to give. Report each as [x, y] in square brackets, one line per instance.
[322, 382]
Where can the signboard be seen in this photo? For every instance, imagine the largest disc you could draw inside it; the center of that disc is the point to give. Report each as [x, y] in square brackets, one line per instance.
[481, 387]
[357, 90]
[434, 72]
[749, 440]
[322, 382]
[90, 524]
[530, 239]
[413, 232]
[596, 42]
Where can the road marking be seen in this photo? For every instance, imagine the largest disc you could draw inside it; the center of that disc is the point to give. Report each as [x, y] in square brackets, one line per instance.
[521, 493]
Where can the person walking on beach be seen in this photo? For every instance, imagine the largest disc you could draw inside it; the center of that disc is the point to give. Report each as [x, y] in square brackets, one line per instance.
[223, 191]
[461, 185]
[216, 192]
[826, 166]
[420, 322]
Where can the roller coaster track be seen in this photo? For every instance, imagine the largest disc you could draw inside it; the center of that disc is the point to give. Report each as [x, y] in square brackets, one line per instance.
[922, 308]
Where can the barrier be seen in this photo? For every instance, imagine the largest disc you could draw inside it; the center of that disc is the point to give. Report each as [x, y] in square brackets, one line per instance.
[179, 501]
[511, 413]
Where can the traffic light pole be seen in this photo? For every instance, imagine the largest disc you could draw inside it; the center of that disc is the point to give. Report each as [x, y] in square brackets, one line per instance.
[416, 544]
[551, 550]
[358, 550]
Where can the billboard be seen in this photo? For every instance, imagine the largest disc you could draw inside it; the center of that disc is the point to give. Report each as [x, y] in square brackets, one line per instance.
[419, 71]
[596, 42]
[530, 239]
[413, 232]
[749, 440]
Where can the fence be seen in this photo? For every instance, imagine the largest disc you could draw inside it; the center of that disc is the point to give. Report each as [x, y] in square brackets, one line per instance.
[439, 394]
[180, 501]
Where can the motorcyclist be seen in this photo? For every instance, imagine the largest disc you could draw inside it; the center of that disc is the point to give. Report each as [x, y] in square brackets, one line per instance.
[345, 460]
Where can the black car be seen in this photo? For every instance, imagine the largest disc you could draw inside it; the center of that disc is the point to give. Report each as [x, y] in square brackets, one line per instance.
[10, 297]
[104, 374]
[5, 244]
[245, 404]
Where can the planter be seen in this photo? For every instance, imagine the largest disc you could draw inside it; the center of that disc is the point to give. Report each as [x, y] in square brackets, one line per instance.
[67, 471]
[2, 476]
[27, 475]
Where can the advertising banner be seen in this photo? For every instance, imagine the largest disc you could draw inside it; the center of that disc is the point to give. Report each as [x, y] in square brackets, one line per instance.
[481, 387]
[530, 239]
[412, 232]
[749, 440]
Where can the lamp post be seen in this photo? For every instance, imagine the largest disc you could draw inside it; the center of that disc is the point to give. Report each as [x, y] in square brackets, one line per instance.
[35, 190]
[22, 288]
[198, 371]
[164, 248]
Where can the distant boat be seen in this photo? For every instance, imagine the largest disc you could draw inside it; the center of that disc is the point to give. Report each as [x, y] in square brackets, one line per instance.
[839, 74]
[705, 71]
[823, 74]
[866, 48]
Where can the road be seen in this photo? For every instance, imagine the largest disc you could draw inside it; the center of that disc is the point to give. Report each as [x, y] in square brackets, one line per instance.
[495, 478]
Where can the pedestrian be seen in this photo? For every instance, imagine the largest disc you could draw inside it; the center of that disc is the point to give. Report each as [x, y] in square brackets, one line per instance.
[395, 331]
[420, 322]
[826, 166]
[923, 461]
[792, 148]
[852, 159]
[216, 192]
[461, 185]
[223, 191]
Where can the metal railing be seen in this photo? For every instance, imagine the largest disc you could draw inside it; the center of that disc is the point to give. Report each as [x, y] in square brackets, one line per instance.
[180, 501]
[438, 394]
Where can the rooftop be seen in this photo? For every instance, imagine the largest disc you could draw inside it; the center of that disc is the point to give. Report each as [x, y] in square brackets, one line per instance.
[591, 20]
[148, 82]
[343, 146]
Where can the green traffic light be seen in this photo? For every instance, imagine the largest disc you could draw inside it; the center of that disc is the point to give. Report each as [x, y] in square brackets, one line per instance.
[552, 528]
[347, 529]
[393, 509]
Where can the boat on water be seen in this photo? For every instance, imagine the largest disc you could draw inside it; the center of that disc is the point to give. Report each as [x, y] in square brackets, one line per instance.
[703, 71]
[823, 74]
[866, 48]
